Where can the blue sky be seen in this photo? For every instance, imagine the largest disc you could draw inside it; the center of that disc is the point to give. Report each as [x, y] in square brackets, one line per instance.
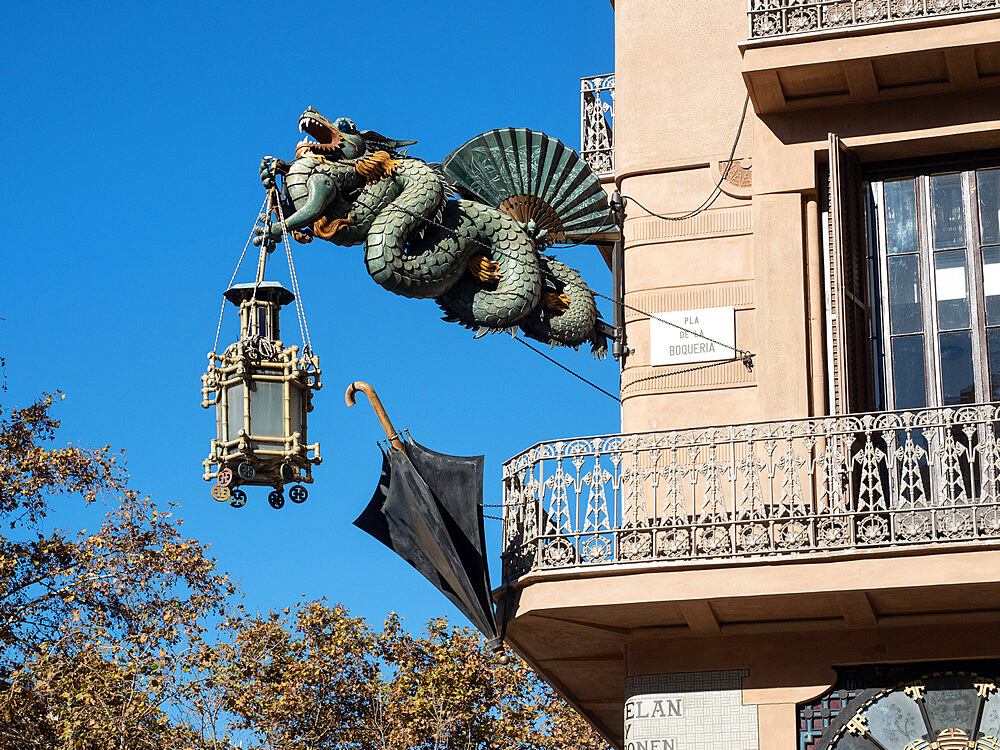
[132, 136]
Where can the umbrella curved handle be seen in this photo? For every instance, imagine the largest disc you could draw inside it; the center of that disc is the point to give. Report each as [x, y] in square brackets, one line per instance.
[376, 402]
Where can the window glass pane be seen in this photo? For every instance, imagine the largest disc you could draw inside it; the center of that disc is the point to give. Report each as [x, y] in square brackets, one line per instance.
[908, 372]
[957, 384]
[267, 416]
[991, 284]
[901, 216]
[904, 294]
[993, 344]
[988, 185]
[234, 406]
[947, 210]
[262, 321]
[952, 289]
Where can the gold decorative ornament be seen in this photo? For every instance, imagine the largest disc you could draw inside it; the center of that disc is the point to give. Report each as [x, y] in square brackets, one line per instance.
[858, 725]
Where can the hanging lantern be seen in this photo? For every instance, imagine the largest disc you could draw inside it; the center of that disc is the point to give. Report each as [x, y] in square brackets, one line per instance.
[262, 392]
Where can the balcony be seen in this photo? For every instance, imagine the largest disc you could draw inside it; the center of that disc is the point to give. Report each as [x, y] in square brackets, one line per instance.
[702, 548]
[777, 18]
[597, 120]
[799, 489]
[810, 54]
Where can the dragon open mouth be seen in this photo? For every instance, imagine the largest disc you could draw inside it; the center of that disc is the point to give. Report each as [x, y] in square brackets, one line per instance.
[327, 137]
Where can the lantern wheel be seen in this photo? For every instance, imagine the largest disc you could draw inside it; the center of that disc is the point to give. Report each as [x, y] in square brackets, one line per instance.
[246, 471]
[225, 477]
[298, 494]
[220, 492]
[239, 498]
[276, 500]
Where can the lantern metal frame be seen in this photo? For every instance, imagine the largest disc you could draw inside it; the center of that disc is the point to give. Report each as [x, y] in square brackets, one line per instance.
[255, 363]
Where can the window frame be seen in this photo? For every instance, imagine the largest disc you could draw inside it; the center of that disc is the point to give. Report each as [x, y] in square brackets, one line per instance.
[873, 187]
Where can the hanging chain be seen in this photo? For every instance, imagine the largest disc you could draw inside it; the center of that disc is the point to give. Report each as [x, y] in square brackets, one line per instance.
[743, 355]
[272, 202]
[222, 310]
[299, 309]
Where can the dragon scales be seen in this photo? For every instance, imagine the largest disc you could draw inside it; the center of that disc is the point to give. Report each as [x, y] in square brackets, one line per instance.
[486, 270]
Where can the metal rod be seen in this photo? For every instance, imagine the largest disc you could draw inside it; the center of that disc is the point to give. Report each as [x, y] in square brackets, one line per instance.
[619, 348]
[376, 402]
[272, 202]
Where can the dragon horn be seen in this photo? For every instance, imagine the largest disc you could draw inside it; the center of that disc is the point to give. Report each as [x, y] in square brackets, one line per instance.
[376, 402]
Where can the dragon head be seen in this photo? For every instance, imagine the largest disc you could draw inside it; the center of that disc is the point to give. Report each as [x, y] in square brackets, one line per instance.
[341, 139]
[328, 139]
[332, 166]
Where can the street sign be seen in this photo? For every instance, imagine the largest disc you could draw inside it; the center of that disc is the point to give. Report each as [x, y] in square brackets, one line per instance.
[687, 336]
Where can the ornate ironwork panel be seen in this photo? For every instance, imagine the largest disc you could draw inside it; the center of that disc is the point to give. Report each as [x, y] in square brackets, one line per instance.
[597, 123]
[951, 704]
[771, 18]
[793, 487]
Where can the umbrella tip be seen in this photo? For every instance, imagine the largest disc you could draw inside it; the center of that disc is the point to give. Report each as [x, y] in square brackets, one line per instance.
[496, 646]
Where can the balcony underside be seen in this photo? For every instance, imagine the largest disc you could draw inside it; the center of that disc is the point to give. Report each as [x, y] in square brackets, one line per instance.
[827, 525]
[575, 626]
[888, 62]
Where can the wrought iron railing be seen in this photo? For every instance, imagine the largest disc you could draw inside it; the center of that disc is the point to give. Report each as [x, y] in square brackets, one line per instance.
[785, 488]
[771, 18]
[597, 123]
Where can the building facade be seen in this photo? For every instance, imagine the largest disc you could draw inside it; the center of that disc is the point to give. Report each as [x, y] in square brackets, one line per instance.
[794, 540]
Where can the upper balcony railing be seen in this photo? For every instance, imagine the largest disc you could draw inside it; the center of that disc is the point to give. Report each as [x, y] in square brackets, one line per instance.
[766, 489]
[597, 123]
[776, 18]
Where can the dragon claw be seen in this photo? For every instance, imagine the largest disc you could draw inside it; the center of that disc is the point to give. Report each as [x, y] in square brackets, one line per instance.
[556, 302]
[484, 269]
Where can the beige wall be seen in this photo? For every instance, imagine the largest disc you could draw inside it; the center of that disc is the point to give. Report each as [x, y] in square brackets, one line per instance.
[678, 95]
[682, 71]
[680, 83]
[678, 89]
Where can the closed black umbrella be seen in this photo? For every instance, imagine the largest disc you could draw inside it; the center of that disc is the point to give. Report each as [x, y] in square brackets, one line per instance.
[428, 509]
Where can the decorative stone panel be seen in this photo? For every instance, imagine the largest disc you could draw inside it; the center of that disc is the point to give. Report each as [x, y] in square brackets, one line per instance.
[689, 711]
[716, 222]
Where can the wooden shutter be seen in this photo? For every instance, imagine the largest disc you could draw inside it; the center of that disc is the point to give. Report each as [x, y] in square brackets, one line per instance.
[852, 378]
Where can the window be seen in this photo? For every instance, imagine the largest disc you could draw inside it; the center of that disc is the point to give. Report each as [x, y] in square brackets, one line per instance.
[934, 237]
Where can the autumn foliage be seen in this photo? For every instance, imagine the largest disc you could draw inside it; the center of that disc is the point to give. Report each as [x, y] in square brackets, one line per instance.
[128, 636]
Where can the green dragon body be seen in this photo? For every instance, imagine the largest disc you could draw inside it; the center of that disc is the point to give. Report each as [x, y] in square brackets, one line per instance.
[486, 270]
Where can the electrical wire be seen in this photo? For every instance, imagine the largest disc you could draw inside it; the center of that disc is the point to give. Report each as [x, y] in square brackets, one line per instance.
[680, 372]
[743, 354]
[581, 242]
[746, 356]
[564, 367]
[717, 190]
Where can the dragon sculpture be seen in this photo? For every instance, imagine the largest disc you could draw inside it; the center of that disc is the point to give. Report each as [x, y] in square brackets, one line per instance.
[484, 268]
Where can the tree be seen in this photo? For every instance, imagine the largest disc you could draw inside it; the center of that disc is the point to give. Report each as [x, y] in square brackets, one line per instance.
[106, 644]
[320, 678]
[98, 630]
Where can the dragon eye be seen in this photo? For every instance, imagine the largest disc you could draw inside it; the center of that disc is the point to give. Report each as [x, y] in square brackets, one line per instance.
[345, 125]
